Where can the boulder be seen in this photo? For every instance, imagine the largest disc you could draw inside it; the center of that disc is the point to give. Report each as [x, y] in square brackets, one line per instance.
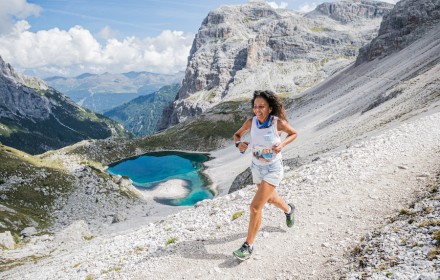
[76, 232]
[6, 240]
[29, 231]
[118, 218]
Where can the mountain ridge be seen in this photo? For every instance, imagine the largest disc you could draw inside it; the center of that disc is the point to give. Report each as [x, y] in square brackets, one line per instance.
[404, 25]
[36, 118]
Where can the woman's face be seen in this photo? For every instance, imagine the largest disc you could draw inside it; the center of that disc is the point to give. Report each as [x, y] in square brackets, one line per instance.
[261, 109]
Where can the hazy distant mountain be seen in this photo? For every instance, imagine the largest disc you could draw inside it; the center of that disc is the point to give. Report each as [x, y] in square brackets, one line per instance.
[36, 118]
[141, 115]
[103, 92]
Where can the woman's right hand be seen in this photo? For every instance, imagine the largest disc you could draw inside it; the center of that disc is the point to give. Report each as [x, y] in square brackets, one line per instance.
[242, 147]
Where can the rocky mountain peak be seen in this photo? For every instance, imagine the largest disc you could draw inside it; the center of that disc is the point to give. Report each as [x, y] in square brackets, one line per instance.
[406, 23]
[225, 31]
[8, 71]
[253, 39]
[348, 11]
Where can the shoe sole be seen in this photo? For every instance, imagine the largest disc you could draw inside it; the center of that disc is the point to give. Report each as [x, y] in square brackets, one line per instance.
[240, 258]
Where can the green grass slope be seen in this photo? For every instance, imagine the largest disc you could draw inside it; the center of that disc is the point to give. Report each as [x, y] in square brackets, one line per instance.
[29, 187]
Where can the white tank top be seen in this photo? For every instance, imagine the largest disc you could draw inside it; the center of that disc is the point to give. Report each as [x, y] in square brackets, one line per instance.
[262, 141]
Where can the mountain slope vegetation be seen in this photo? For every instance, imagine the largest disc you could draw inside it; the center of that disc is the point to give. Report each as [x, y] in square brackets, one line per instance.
[38, 119]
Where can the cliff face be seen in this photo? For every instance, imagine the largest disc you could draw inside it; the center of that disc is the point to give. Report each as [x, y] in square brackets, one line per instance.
[275, 47]
[406, 23]
[35, 118]
[17, 98]
[352, 11]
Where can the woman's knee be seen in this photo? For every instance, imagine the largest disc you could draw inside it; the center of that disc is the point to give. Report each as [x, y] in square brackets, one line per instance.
[255, 208]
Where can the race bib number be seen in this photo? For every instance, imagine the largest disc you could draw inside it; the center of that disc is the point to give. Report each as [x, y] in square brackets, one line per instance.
[264, 154]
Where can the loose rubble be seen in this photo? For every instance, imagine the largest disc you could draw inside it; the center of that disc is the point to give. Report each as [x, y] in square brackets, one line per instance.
[406, 248]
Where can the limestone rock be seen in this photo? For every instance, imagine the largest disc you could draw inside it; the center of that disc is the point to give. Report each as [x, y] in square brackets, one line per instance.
[406, 23]
[346, 11]
[118, 218]
[6, 240]
[76, 232]
[29, 231]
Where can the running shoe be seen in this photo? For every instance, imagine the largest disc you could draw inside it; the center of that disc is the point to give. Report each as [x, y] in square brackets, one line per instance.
[244, 252]
[290, 216]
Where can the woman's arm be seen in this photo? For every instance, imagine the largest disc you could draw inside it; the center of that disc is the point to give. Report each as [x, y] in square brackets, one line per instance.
[284, 126]
[240, 133]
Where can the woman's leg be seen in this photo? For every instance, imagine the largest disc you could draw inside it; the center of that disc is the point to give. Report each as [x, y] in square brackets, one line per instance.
[276, 200]
[264, 192]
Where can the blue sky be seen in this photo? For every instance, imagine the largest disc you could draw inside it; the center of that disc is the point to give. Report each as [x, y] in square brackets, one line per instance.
[69, 37]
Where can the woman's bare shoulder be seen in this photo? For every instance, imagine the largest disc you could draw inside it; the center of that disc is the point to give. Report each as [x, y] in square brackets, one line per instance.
[282, 125]
[248, 122]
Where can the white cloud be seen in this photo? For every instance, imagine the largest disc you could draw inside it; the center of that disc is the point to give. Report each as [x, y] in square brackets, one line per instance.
[391, 1]
[108, 33]
[11, 10]
[75, 51]
[274, 5]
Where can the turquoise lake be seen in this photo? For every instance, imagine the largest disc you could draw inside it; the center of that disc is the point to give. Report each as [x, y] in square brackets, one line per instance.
[149, 170]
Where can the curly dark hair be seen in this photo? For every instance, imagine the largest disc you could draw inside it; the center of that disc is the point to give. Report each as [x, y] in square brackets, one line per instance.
[274, 102]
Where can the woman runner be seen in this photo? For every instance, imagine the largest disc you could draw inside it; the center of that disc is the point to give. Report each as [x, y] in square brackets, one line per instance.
[266, 126]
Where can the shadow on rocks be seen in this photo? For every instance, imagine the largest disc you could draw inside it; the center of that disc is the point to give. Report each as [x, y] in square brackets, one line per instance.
[196, 249]
[231, 262]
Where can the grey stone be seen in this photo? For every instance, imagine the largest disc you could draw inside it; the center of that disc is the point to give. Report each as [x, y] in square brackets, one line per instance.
[406, 23]
[118, 218]
[74, 233]
[29, 231]
[6, 240]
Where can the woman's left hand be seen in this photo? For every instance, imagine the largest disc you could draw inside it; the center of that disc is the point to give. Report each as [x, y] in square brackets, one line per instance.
[277, 148]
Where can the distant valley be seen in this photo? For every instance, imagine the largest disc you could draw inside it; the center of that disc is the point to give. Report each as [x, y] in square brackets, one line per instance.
[141, 115]
[103, 92]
